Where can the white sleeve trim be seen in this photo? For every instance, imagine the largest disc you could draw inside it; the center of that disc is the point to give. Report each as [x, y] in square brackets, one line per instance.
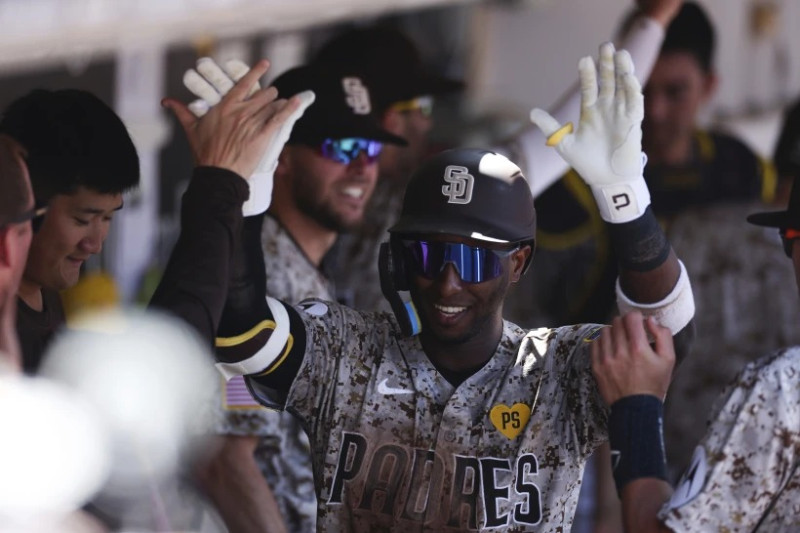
[269, 353]
[673, 312]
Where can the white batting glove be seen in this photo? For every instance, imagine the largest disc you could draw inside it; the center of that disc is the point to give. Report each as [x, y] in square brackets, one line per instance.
[606, 149]
[210, 83]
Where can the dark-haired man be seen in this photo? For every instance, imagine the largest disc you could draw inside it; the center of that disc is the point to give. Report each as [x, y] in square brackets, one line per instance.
[81, 159]
[469, 422]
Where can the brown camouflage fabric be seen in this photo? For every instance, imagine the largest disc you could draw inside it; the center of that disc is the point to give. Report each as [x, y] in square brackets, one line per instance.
[398, 449]
[744, 475]
[746, 303]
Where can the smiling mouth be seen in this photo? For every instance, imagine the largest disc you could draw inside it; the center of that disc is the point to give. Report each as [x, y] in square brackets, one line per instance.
[354, 192]
[449, 310]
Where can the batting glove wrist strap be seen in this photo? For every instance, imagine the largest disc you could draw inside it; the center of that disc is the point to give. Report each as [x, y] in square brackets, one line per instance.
[675, 311]
[623, 201]
[635, 432]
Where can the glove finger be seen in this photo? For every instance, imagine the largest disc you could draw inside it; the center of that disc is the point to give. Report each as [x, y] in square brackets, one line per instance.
[544, 121]
[200, 87]
[199, 108]
[215, 76]
[236, 69]
[588, 74]
[306, 98]
[631, 87]
[606, 63]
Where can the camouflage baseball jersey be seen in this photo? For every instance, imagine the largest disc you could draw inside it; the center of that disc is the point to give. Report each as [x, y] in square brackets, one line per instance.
[283, 449]
[744, 475]
[746, 297]
[397, 448]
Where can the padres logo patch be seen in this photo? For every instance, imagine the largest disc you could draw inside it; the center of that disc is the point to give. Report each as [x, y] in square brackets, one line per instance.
[510, 421]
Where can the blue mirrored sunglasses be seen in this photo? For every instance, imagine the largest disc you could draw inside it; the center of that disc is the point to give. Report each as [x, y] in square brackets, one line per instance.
[346, 150]
[473, 264]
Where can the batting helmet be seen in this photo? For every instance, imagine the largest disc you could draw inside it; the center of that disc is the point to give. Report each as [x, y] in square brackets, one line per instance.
[471, 193]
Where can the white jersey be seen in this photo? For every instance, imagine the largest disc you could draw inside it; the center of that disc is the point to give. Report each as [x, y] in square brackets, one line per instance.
[744, 475]
[397, 448]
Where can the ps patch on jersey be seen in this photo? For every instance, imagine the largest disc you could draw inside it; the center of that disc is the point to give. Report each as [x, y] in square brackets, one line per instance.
[692, 481]
[313, 308]
[510, 421]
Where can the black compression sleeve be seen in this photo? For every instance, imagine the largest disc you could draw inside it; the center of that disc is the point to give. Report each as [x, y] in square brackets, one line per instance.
[640, 245]
[246, 303]
[195, 280]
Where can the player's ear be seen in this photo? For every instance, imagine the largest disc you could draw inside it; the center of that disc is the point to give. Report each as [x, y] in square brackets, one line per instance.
[710, 84]
[519, 262]
[393, 122]
[284, 163]
[5, 247]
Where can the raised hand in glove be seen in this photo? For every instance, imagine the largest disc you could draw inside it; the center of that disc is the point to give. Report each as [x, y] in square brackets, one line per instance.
[606, 149]
[210, 84]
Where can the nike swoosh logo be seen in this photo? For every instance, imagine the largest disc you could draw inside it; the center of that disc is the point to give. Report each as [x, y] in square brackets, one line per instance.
[385, 389]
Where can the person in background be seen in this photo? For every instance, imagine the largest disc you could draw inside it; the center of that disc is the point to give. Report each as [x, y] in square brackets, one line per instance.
[81, 160]
[405, 92]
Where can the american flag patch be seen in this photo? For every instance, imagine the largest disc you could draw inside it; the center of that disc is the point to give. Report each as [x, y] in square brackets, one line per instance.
[237, 396]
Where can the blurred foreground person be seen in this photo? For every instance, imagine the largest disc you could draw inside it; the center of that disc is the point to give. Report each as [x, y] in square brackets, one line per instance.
[16, 212]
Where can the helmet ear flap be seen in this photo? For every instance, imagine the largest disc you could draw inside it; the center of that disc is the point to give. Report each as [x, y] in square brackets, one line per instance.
[392, 269]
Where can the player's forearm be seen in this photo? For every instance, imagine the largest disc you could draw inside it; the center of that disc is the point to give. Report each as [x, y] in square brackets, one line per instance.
[238, 490]
[194, 283]
[651, 278]
[641, 501]
[648, 267]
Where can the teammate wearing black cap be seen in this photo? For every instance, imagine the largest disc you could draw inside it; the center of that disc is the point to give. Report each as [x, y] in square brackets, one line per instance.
[744, 473]
[472, 422]
[324, 176]
[405, 92]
